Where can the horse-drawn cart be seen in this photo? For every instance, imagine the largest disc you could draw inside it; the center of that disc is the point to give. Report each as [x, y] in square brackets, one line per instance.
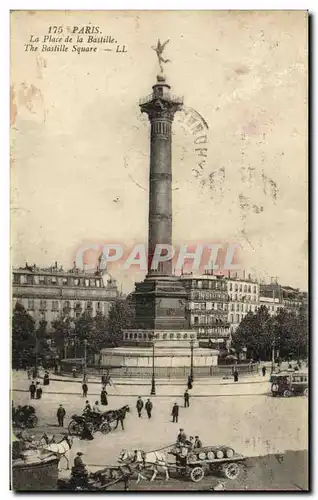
[103, 422]
[199, 462]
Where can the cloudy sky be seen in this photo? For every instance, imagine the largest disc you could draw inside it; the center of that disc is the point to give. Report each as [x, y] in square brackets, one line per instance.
[80, 147]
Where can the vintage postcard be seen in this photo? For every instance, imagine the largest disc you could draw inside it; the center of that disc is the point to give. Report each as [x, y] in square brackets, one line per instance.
[159, 187]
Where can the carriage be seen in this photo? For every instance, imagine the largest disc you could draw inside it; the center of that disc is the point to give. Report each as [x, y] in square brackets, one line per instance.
[24, 416]
[197, 463]
[104, 422]
[289, 384]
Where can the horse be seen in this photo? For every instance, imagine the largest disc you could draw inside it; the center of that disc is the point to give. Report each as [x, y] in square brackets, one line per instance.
[152, 460]
[61, 448]
[119, 415]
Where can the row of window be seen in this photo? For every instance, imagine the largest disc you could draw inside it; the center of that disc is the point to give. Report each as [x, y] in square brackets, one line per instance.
[44, 305]
[209, 284]
[246, 298]
[235, 287]
[206, 306]
[242, 307]
[28, 279]
[208, 295]
[207, 320]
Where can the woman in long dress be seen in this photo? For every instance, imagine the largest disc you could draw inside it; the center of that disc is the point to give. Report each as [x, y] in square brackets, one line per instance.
[103, 397]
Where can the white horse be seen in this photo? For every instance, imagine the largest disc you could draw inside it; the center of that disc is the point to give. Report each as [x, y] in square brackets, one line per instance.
[152, 460]
[61, 448]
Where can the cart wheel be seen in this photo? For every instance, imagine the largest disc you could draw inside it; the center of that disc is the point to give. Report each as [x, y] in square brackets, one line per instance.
[231, 470]
[306, 392]
[75, 428]
[105, 428]
[197, 474]
[287, 394]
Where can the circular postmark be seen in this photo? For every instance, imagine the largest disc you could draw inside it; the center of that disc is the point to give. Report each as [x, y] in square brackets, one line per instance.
[190, 134]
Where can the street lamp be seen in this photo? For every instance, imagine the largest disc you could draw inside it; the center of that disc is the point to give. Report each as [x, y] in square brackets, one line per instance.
[191, 367]
[85, 360]
[273, 356]
[153, 381]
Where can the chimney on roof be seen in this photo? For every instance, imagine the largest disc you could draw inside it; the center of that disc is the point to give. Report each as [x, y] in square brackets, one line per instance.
[244, 274]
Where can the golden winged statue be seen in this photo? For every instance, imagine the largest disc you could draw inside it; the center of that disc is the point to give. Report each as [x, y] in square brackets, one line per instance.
[159, 50]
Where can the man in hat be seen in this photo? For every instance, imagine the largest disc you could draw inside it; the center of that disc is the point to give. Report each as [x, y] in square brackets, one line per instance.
[139, 406]
[197, 442]
[148, 407]
[32, 390]
[87, 408]
[182, 437]
[175, 413]
[186, 399]
[60, 415]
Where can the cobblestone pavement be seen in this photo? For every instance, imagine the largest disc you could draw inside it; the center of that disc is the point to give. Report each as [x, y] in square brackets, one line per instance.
[254, 425]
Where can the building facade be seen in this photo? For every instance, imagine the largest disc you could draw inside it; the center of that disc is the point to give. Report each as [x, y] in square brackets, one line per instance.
[48, 293]
[243, 296]
[276, 297]
[207, 308]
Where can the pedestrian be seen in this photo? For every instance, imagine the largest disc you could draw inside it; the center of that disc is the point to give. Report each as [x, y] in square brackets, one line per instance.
[34, 373]
[38, 391]
[148, 407]
[175, 413]
[139, 406]
[32, 390]
[29, 373]
[186, 399]
[74, 371]
[103, 379]
[60, 415]
[84, 389]
[235, 375]
[190, 381]
[197, 442]
[264, 371]
[103, 397]
[46, 379]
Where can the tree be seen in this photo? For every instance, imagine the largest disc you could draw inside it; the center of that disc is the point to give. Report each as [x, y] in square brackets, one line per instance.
[255, 333]
[260, 333]
[121, 317]
[42, 338]
[63, 330]
[23, 337]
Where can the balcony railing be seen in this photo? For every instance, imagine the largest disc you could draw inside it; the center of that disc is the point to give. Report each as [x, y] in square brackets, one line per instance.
[165, 96]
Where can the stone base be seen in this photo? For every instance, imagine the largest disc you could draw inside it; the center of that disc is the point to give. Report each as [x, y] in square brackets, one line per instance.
[170, 361]
[160, 303]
